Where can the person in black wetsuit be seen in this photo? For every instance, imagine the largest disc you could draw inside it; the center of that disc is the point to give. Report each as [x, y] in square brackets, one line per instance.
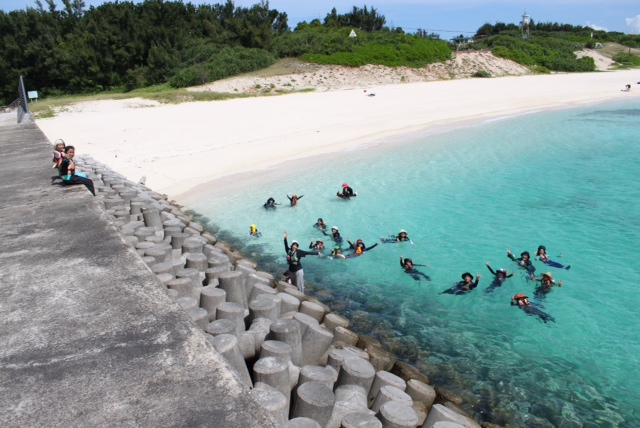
[316, 245]
[293, 200]
[270, 204]
[346, 192]
[335, 235]
[463, 287]
[523, 303]
[321, 226]
[409, 268]
[546, 285]
[499, 277]
[524, 261]
[359, 248]
[402, 236]
[67, 170]
[294, 254]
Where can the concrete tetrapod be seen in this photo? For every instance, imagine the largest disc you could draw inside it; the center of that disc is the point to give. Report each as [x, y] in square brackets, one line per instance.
[273, 402]
[275, 348]
[315, 401]
[356, 371]
[441, 413]
[211, 298]
[218, 327]
[263, 308]
[315, 342]
[231, 311]
[228, 346]
[360, 420]
[393, 414]
[302, 423]
[324, 375]
[390, 393]
[384, 378]
[274, 371]
[288, 331]
[233, 283]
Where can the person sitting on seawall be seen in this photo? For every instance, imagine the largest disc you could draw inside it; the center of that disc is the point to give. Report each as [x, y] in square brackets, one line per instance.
[546, 284]
[409, 268]
[293, 200]
[346, 192]
[463, 287]
[316, 245]
[402, 236]
[58, 153]
[336, 253]
[294, 254]
[499, 277]
[321, 225]
[253, 231]
[286, 277]
[359, 248]
[523, 303]
[68, 171]
[541, 255]
[524, 261]
[270, 204]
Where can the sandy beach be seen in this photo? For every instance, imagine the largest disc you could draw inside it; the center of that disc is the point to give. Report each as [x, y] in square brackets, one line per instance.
[177, 147]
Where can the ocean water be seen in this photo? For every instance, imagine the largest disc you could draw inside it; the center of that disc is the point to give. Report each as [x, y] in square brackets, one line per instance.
[566, 179]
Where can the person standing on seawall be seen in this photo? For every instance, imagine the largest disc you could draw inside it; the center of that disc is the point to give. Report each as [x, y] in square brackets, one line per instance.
[294, 254]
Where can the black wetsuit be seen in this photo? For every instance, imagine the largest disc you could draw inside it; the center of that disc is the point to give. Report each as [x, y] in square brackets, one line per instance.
[526, 264]
[335, 236]
[364, 250]
[413, 272]
[291, 199]
[533, 311]
[461, 288]
[74, 179]
[270, 204]
[347, 192]
[496, 283]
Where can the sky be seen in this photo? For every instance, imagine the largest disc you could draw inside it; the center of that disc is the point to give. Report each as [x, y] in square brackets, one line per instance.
[449, 18]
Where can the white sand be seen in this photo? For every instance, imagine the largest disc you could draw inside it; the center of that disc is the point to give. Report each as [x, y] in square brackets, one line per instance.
[180, 146]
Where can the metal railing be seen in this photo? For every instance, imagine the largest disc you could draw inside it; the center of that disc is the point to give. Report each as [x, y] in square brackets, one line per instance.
[23, 106]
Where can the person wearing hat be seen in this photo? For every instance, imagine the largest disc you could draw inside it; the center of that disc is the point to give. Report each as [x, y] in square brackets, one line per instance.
[522, 301]
[335, 235]
[463, 287]
[316, 245]
[270, 204]
[294, 254]
[359, 248]
[409, 268]
[524, 261]
[402, 236]
[541, 255]
[293, 200]
[337, 253]
[346, 192]
[546, 283]
[499, 277]
[253, 231]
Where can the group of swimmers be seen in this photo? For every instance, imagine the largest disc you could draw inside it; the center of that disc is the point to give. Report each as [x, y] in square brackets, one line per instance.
[295, 273]
[63, 161]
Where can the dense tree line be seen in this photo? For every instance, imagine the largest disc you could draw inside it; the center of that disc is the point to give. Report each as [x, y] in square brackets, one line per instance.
[125, 45]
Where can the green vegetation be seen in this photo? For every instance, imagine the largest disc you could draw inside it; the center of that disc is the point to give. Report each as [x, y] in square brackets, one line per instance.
[160, 46]
[550, 46]
[481, 73]
[627, 59]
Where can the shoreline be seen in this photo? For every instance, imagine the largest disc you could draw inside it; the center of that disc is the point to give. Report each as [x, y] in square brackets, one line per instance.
[178, 147]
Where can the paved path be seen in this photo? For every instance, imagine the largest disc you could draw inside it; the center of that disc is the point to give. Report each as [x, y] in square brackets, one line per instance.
[86, 336]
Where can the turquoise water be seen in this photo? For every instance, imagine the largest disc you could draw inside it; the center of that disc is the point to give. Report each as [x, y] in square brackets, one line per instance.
[566, 179]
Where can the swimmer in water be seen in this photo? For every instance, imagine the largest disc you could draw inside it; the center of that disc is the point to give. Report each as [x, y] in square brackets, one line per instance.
[523, 303]
[524, 261]
[320, 225]
[346, 192]
[253, 231]
[270, 204]
[499, 277]
[293, 200]
[409, 268]
[316, 245]
[546, 284]
[402, 236]
[463, 287]
[359, 248]
[541, 255]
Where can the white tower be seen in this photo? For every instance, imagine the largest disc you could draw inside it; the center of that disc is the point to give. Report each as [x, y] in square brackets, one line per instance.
[524, 25]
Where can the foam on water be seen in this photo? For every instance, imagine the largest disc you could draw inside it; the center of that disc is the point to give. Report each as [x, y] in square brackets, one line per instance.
[566, 179]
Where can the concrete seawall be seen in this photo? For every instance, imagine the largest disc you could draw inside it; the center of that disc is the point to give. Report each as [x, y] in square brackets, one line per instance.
[88, 336]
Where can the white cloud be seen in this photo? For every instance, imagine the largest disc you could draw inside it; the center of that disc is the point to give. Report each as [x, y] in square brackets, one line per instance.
[634, 24]
[596, 27]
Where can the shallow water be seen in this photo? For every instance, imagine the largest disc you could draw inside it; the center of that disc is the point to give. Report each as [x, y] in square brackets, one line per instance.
[567, 179]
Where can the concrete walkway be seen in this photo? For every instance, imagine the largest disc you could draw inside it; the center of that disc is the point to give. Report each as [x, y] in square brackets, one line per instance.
[87, 338]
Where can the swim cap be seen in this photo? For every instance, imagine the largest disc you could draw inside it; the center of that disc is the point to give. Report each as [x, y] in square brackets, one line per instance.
[344, 185]
[402, 231]
[295, 242]
[502, 271]
[335, 227]
[520, 296]
[336, 248]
